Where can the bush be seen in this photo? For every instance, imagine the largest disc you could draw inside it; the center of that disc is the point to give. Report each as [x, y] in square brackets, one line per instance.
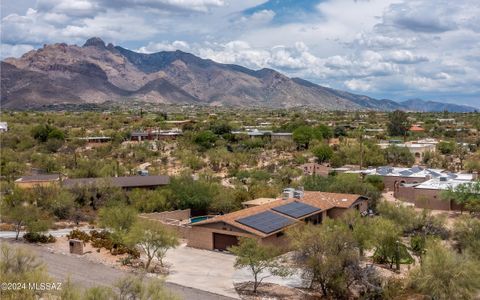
[103, 239]
[417, 244]
[34, 237]
[79, 235]
[405, 258]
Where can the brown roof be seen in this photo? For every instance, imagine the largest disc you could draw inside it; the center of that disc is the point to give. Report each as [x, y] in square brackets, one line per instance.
[232, 217]
[123, 182]
[42, 177]
[321, 200]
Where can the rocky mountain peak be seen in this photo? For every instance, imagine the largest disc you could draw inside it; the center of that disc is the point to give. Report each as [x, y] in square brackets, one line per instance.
[95, 42]
[97, 72]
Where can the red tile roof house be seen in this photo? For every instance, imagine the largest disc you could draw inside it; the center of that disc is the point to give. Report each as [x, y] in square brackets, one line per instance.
[269, 221]
[416, 128]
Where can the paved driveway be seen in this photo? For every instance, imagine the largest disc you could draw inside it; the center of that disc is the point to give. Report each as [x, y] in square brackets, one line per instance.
[202, 269]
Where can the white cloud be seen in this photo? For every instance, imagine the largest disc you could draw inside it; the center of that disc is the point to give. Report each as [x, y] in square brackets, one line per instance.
[391, 48]
[7, 50]
[357, 85]
[257, 18]
[164, 46]
[405, 57]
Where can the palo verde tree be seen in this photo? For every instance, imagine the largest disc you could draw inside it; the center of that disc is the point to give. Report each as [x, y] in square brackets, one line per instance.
[466, 195]
[18, 208]
[466, 234]
[445, 274]
[120, 219]
[327, 255]
[153, 238]
[259, 259]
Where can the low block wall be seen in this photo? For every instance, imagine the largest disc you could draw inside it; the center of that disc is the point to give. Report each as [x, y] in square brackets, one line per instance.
[169, 215]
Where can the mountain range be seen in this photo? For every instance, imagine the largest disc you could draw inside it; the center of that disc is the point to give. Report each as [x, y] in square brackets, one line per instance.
[96, 72]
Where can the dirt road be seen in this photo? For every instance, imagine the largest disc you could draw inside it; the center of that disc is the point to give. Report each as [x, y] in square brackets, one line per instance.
[88, 274]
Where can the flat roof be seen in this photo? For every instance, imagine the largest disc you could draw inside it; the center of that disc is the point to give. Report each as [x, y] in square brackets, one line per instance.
[437, 184]
[123, 182]
[259, 201]
[39, 177]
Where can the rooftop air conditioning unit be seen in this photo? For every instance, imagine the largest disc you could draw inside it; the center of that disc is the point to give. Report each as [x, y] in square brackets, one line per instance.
[298, 194]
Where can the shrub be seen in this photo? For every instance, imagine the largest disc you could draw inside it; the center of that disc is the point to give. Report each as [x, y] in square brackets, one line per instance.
[79, 235]
[34, 237]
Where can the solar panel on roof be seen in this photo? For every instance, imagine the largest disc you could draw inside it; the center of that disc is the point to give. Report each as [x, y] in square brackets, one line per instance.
[415, 169]
[434, 174]
[406, 173]
[296, 209]
[384, 170]
[266, 221]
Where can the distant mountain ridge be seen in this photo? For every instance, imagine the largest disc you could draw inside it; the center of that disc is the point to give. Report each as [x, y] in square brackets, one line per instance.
[96, 72]
[432, 106]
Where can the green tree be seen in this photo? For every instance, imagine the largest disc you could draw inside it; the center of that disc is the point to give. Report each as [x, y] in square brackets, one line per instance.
[205, 139]
[146, 201]
[405, 218]
[339, 131]
[395, 155]
[302, 136]
[153, 238]
[445, 275]
[446, 148]
[322, 131]
[45, 132]
[327, 255]
[466, 234]
[17, 208]
[258, 259]
[119, 219]
[466, 195]
[189, 193]
[361, 230]
[388, 248]
[322, 152]
[398, 123]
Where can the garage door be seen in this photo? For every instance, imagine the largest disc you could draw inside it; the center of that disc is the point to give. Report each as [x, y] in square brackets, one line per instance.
[223, 241]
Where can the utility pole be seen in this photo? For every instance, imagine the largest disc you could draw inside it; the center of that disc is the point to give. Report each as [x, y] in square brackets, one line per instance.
[397, 255]
[360, 139]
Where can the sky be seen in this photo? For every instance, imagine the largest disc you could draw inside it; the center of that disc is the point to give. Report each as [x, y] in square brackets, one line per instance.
[392, 49]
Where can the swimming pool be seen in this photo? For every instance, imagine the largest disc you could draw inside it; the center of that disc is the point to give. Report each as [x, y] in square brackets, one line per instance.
[199, 218]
